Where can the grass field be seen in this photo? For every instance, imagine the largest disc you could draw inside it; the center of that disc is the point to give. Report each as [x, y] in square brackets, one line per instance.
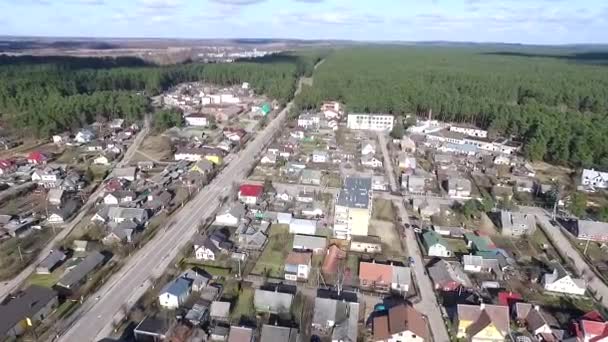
[273, 257]
[458, 245]
[44, 280]
[383, 210]
[244, 305]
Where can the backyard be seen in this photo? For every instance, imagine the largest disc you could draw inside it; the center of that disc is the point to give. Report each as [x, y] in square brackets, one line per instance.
[272, 260]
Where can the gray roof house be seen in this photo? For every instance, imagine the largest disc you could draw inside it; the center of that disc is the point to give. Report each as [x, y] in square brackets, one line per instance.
[516, 224]
[272, 301]
[77, 275]
[336, 317]
[253, 242]
[47, 265]
[591, 230]
[118, 214]
[35, 303]
[199, 278]
[276, 333]
[220, 311]
[313, 243]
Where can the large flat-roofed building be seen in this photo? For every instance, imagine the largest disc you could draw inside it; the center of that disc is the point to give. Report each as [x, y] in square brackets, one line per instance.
[353, 207]
[372, 122]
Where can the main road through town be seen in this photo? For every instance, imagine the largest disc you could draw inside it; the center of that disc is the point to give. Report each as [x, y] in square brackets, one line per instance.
[11, 285]
[96, 317]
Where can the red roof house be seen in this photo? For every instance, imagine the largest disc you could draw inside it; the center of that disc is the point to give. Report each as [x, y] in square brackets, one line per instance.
[250, 193]
[591, 327]
[36, 157]
[332, 260]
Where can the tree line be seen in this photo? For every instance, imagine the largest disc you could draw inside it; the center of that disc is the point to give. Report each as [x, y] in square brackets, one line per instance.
[50, 94]
[557, 107]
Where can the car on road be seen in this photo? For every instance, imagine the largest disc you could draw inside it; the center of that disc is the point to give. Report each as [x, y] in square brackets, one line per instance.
[410, 261]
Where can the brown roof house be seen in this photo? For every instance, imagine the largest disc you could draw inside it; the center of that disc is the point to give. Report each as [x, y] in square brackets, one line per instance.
[332, 260]
[297, 265]
[402, 323]
[482, 322]
[384, 278]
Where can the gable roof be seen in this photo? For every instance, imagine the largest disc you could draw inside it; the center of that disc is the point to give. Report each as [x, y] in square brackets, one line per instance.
[80, 271]
[309, 241]
[332, 259]
[298, 258]
[240, 334]
[275, 333]
[482, 315]
[251, 190]
[272, 301]
[443, 271]
[25, 305]
[432, 238]
[386, 274]
[177, 287]
[405, 318]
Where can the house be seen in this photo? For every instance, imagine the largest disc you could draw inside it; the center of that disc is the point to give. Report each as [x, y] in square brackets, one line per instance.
[311, 243]
[253, 241]
[374, 122]
[516, 224]
[448, 276]
[251, 193]
[482, 323]
[102, 159]
[308, 120]
[590, 230]
[61, 213]
[353, 207]
[272, 300]
[297, 265]
[220, 332]
[197, 315]
[368, 147]
[591, 327]
[79, 274]
[407, 144]
[26, 308]
[120, 232]
[210, 247]
[366, 244]
[158, 201]
[470, 131]
[336, 315]
[20, 226]
[120, 214]
[503, 160]
[332, 260]
[117, 123]
[197, 120]
[524, 184]
[80, 246]
[537, 321]
[594, 179]
[479, 264]
[269, 159]
[406, 162]
[319, 156]
[301, 226]
[416, 184]
[459, 187]
[479, 242]
[278, 333]
[241, 334]
[231, 216]
[6, 166]
[119, 197]
[436, 245]
[202, 166]
[175, 293]
[311, 177]
[379, 183]
[456, 232]
[55, 196]
[401, 323]
[48, 264]
[305, 196]
[198, 278]
[220, 311]
[36, 158]
[84, 136]
[191, 154]
[152, 329]
[384, 278]
[562, 282]
[126, 173]
[371, 161]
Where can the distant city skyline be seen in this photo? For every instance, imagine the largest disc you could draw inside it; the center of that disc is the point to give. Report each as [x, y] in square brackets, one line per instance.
[508, 21]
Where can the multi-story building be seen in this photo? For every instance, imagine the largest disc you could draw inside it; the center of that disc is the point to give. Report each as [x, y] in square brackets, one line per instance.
[353, 208]
[470, 131]
[373, 122]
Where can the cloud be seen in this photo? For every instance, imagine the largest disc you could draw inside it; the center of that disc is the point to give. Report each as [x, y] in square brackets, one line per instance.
[343, 18]
[238, 2]
[160, 4]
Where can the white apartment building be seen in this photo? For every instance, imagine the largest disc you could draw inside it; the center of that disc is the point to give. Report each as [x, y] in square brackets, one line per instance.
[353, 208]
[373, 122]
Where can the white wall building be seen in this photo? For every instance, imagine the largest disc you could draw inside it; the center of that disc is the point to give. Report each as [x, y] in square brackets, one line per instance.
[472, 132]
[198, 120]
[373, 122]
[593, 178]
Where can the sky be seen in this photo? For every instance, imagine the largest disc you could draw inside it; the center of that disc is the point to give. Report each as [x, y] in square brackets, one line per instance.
[509, 21]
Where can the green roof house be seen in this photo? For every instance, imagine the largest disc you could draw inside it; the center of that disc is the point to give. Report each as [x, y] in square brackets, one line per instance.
[436, 245]
[479, 243]
[266, 109]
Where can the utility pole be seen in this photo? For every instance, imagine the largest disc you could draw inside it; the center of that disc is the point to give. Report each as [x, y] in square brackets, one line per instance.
[19, 250]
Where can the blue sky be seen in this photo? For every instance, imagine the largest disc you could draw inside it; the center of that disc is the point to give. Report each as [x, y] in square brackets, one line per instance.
[514, 21]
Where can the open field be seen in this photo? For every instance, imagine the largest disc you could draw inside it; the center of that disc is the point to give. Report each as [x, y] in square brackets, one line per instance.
[44, 280]
[272, 260]
[11, 261]
[244, 305]
[391, 242]
[154, 147]
[548, 173]
[458, 245]
[383, 210]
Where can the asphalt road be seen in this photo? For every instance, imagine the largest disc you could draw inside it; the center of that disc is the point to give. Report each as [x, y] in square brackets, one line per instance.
[94, 319]
[13, 284]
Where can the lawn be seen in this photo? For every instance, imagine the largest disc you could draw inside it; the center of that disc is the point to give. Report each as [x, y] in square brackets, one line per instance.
[383, 210]
[207, 266]
[458, 245]
[352, 263]
[44, 280]
[244, 305]
[273, 257]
